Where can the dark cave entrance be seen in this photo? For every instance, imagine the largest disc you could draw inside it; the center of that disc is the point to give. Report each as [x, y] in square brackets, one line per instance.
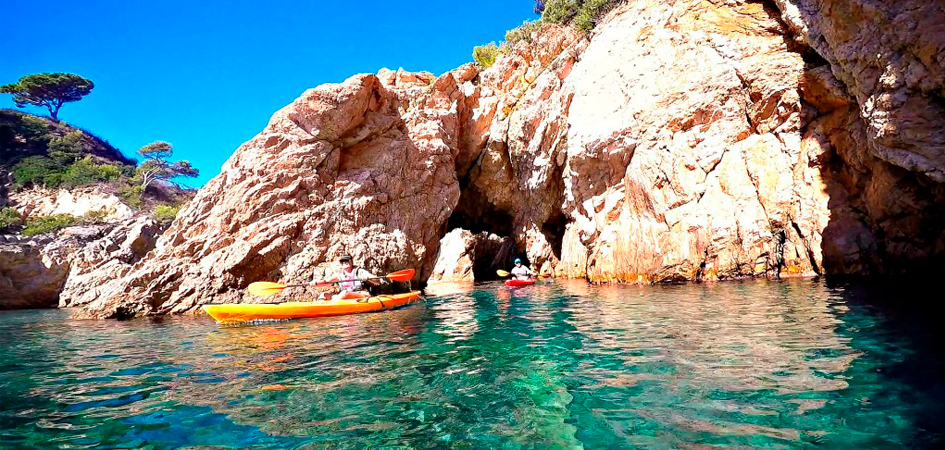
[476, 214]
[553, 229]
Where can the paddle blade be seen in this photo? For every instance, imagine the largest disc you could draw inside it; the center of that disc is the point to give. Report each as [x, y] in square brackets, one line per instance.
[403, 275]
[502, 273]
[265, 288]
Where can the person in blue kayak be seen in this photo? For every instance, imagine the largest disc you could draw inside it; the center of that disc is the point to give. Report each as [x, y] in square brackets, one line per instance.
[521, 271]
[351, 280]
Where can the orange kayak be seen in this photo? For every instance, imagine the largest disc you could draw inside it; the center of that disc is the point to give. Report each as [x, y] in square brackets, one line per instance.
[244, 312]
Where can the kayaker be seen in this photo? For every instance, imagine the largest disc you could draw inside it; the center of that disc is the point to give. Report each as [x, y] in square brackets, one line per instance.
[520, 271]
[351, 279]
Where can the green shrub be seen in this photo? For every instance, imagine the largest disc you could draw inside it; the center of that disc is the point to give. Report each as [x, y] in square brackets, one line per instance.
[49, 172]
[485, 55]
[67, 149]
[32, 128]
[166, 213]
[127, 171]
[583, 15]
[20, 130]
[132, 194]
[48, 224]
[8, 218]
[591, 12]
[93, 217]
[524, 32]
[37, 170]
[560, 11]
[86, 171]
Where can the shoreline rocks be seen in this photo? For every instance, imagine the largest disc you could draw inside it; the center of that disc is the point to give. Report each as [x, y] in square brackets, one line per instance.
[49, 270]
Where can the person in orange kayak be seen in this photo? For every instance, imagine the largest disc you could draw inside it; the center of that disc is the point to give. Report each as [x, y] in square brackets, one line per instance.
[520, 271]
[351, 279]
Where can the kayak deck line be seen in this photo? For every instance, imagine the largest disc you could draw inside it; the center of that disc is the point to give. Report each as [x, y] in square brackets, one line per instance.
[245, 312]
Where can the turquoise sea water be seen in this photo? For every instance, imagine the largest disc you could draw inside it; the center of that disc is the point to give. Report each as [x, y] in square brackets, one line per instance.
[797, 364]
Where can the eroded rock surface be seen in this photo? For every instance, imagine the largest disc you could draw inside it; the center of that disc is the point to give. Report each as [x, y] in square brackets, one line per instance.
[688, 140]
[51, 270]
[110, 256]
[76, 202]
[26, 280]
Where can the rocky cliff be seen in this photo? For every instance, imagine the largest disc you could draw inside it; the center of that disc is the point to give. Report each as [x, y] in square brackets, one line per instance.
[686, 140]
[42, 271]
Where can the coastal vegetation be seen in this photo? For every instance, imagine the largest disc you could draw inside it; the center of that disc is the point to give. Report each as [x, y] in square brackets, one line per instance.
[166, 213]
[156, 166]
[12, 222]
[47, 224]
[523, 32]
[38, 152]
[47, 153]
[485, 55]
[583, 15]
[9, 217]
[49, 90]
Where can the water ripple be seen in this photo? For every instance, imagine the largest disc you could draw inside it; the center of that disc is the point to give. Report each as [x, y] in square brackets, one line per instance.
[556, 365]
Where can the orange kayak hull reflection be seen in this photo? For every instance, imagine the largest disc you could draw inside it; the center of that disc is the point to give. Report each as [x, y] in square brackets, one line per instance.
[245, 312]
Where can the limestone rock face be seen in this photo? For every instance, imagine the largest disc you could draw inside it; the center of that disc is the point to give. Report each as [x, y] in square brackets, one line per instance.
[887, 146]
[109, 256]
[77, 202]
[363, 167]
[684, 165]
[50, 270]
[683, 140]
[369, 167]
[26, 280]
[890, 58]
[701, 141]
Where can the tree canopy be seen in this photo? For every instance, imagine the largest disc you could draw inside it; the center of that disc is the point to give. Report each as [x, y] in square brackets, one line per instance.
[51, 90]
[157, 167]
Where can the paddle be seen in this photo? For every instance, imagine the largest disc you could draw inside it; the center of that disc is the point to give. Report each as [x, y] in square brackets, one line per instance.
[504, 274]
[267, 288]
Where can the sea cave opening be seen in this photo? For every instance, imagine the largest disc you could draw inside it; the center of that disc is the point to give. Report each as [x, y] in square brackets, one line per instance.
[476, 214]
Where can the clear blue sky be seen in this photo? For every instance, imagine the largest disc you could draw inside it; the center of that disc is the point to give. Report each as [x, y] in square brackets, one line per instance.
[207, 76]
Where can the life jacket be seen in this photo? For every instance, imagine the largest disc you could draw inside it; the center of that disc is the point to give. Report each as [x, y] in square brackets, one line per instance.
[349, 281]
[521, 272]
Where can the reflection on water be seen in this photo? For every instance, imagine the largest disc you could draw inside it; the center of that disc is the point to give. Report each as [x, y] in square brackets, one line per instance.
[554, 365]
